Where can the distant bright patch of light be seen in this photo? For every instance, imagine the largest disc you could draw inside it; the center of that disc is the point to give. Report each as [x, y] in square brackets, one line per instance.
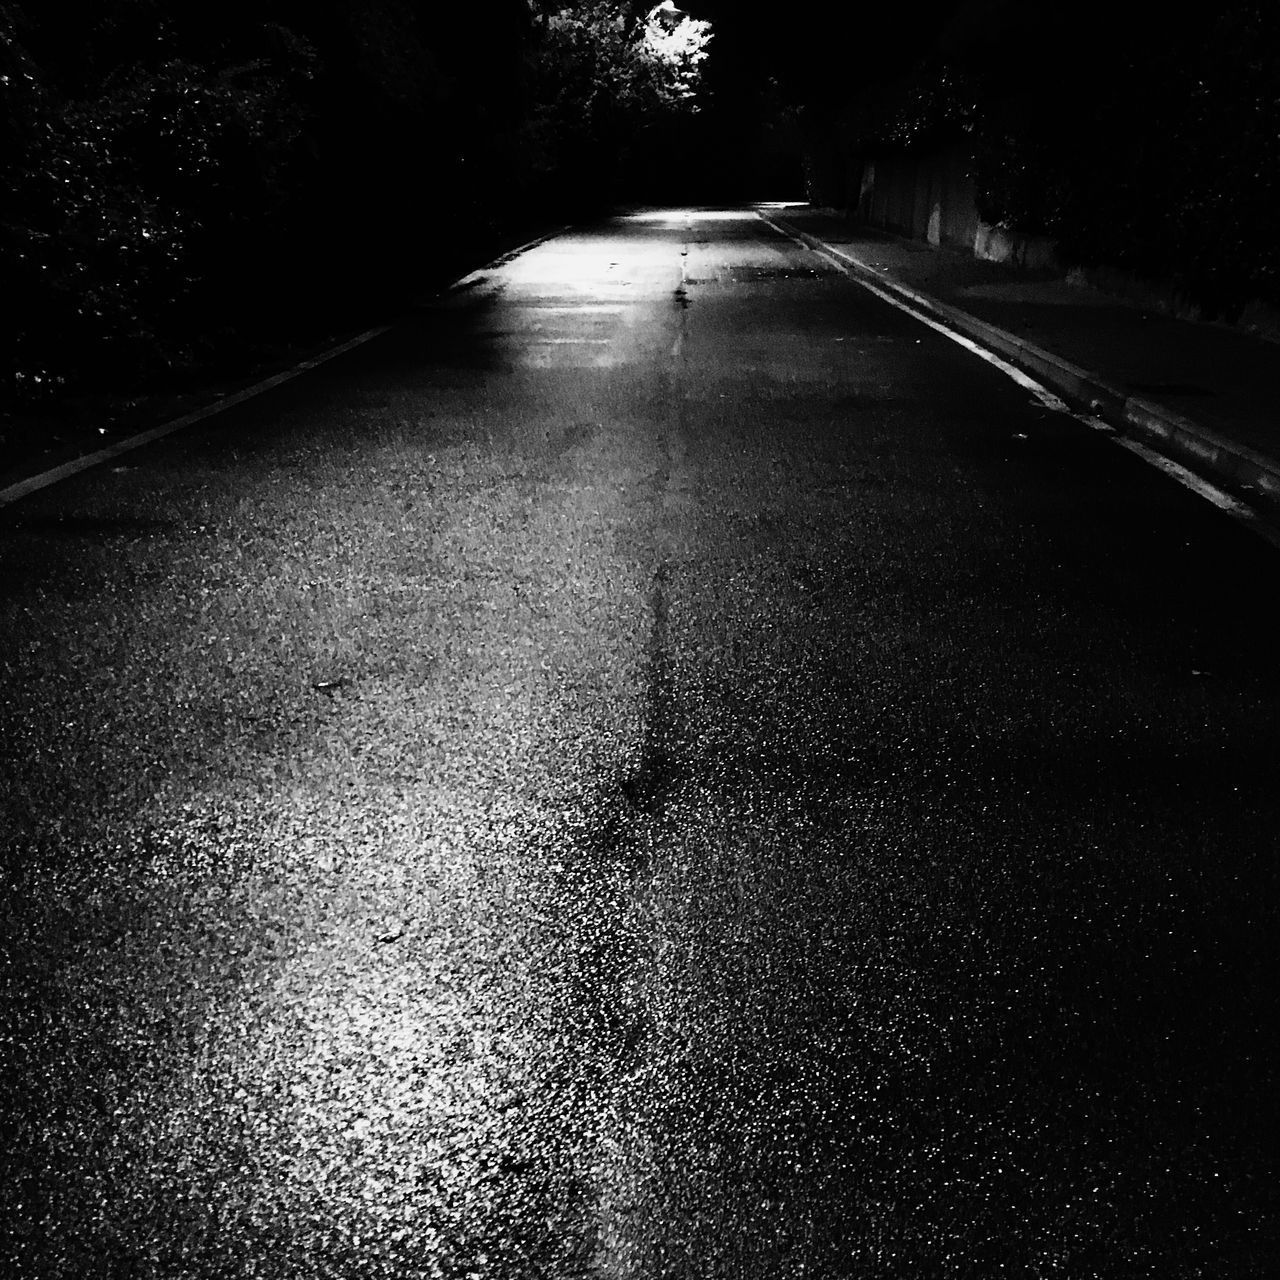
[579, 266]
[782, 204]
[671, 216]
[719, 215]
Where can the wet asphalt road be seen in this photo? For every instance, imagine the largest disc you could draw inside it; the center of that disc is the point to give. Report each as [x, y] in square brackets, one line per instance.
[661, 766]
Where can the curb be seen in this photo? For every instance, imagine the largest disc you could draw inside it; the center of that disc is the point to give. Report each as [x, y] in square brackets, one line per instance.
[1197, 447]
[43, 479]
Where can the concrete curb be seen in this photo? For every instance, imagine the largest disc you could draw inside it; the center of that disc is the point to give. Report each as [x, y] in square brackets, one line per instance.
[1197, 447]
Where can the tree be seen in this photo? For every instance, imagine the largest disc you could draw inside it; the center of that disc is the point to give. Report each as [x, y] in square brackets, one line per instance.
[184, 179]
[603, 72]
[185, 182]
[133, 169]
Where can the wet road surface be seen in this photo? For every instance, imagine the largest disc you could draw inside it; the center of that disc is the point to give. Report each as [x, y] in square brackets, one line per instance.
[661, 766]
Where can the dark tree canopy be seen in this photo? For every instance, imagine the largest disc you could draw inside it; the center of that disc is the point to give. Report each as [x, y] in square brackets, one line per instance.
[1143, 140]
[177, 174]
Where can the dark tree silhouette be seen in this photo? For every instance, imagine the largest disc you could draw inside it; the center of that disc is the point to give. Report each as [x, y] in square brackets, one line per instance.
[183, 182]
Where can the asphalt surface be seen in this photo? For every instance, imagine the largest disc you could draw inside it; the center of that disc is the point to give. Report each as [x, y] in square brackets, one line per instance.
[660, 766]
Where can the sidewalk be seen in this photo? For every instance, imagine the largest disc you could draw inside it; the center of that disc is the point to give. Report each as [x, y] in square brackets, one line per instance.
[1205, 395]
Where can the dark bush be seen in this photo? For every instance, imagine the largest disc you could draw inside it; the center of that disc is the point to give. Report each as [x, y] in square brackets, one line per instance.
[184, 182]
[1135, 139]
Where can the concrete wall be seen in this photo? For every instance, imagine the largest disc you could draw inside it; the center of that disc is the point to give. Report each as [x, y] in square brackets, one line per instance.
[932, 198]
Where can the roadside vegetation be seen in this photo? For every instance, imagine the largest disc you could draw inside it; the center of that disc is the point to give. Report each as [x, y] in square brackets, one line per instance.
[1142, 141]
[192, 188]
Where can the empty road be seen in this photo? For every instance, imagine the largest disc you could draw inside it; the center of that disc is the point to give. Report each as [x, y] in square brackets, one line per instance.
[660, 765]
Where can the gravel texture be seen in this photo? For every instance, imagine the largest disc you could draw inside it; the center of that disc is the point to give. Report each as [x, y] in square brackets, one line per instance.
[658, 767]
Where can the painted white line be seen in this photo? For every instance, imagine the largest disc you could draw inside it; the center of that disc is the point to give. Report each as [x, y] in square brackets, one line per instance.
[1239, 511]
[1209, 492]
[1041, 393]
[44, 479]
[1037, 389]
[1233, 507]
[482, 273]
[472, 277]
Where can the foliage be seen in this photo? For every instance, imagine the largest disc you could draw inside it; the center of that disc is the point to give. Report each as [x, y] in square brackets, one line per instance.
[603, 72]
[1151, 146]
[139, 177]
[1162, 157]
[672, 49]
[177, 175]
[178, 178]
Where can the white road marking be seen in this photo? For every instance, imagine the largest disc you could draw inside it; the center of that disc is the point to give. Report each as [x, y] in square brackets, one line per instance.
[1041, 392]
[1237, 510]
[1233, 507]
[32, 483]
[45, 478]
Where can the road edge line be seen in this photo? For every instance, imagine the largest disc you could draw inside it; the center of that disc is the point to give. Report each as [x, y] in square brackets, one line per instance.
[1198, 448]
[64, 471]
